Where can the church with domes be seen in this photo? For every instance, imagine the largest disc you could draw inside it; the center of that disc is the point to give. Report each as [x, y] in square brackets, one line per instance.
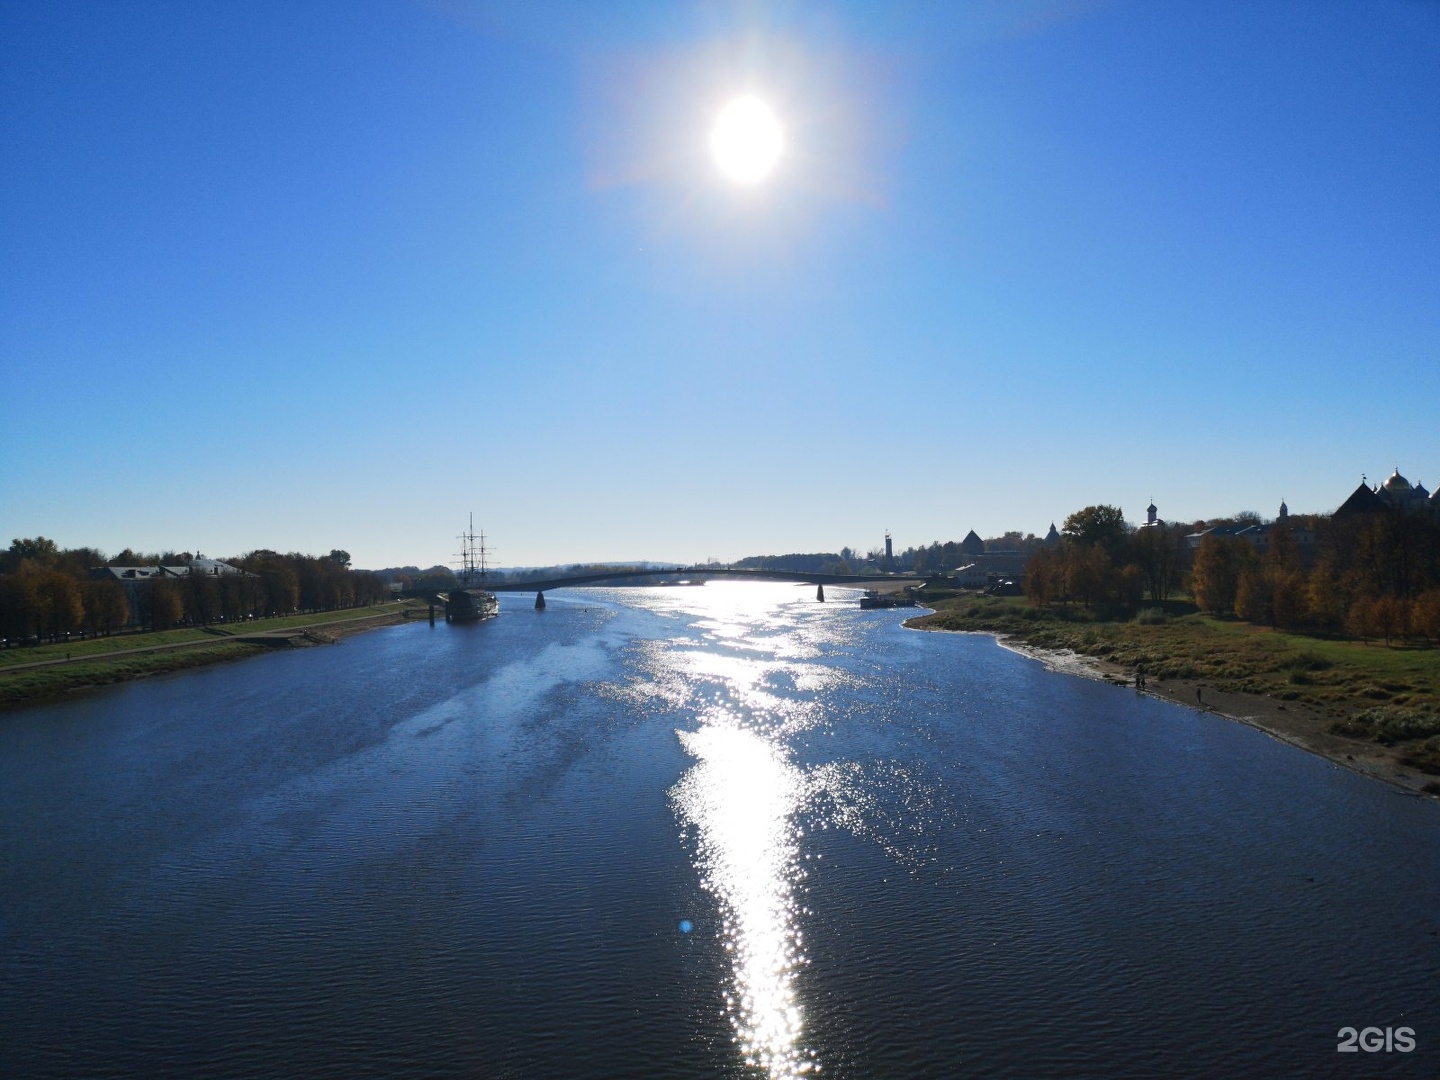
[1396, 493]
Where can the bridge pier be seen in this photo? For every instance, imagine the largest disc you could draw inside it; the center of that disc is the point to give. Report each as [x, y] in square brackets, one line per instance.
[820, 593]
[539, 601]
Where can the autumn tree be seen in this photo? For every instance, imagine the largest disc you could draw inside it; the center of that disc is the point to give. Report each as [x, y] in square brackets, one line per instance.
[1425, 614]
[1285, 579]
[1130, 586]
[1392, 617]
[1361, 620]
[161, 606]
[1157, 551]
[59, 609]
[1254, 597]
[1215, 575]
[1045, 577]
[107, 608]
[1328, 594]
[1089, 573]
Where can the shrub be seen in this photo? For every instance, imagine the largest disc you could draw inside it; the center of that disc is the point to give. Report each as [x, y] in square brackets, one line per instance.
[1388, 724]
[1425, 756]
[1151, 616]
[1179, 670]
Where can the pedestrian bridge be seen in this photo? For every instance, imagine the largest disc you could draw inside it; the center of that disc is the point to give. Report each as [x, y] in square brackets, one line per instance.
[695, 572]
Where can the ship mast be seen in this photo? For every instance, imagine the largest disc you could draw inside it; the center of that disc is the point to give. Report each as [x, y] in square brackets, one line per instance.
[472, 556]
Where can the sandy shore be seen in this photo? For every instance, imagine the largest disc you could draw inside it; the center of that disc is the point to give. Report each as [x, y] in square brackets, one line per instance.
[1298, 726]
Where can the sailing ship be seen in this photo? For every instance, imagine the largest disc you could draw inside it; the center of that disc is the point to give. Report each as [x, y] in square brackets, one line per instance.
[470, 601]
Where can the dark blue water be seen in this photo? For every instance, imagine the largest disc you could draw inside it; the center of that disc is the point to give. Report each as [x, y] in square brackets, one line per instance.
[705, 832]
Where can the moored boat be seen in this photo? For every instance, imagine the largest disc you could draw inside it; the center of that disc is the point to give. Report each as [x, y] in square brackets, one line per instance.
[470, 601]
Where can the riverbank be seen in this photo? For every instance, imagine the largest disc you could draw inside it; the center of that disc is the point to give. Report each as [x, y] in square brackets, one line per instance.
[29, 676]
[1296, 691]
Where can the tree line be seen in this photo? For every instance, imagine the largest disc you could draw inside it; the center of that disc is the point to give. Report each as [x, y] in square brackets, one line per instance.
[1367, 575]
[1102, 559]
[1370, 576]
[48, 593]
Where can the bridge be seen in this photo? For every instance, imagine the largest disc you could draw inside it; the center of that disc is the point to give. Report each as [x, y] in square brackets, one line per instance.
[695, 572]
[539, 586]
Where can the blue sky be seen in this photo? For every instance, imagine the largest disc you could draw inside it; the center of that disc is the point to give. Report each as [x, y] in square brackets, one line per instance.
[315, 275]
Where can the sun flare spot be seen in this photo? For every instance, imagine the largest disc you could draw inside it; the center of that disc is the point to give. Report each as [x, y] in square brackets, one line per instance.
[746, 140]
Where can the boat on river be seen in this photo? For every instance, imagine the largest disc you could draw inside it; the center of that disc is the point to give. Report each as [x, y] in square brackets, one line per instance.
[873, 599]
[470, 601]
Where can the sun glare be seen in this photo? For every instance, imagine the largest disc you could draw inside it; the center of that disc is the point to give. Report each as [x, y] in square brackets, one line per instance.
[746, 140]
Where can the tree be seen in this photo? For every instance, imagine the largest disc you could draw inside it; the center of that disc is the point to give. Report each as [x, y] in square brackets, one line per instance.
[1361, 620]
[59, 607]
[1103, 525]
[1289, 603]
[1130, 585]
[1044, 577]
[18, 604]
[77, 562]
[200, 597]
[1392, 617]
[1215, 577]
[1425, 614]
[39, 550]
[1326, 596]
[106, 607]
[1089, 574]
[160, 604]
[1157, 554]
[341, 557]
[281, 585]
[1254, 599]
[1285, 579]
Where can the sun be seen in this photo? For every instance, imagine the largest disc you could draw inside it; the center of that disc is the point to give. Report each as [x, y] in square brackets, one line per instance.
[746, 140]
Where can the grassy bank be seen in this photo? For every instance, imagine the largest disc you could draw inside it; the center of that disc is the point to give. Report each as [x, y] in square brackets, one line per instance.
[45, 671]
[1366, 695]
[35, 684]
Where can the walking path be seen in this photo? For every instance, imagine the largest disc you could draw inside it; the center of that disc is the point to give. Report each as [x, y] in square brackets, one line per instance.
[217, 637]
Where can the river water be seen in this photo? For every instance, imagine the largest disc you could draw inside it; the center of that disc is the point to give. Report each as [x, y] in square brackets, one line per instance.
[693, 832]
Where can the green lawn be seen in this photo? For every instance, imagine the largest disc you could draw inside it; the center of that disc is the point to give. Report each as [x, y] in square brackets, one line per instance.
[37, 683]
[121, 642]
[107, 660]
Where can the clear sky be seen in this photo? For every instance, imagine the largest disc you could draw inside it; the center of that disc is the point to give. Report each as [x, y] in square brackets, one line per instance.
[322, 275]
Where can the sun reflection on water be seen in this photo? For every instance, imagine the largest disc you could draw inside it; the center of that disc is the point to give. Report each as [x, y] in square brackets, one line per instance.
[751, 666]
[741, 797]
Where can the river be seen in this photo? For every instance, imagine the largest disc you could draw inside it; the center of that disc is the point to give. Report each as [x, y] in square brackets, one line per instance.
[717, 831]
